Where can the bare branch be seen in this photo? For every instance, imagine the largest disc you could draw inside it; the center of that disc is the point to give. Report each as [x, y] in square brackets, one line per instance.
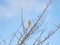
[49, 35]
[3, 40]
[22, 21]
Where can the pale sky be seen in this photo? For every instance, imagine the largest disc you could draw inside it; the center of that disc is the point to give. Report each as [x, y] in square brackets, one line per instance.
[10, 12]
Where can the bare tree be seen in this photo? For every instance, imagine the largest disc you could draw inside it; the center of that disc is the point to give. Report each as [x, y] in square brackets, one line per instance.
[29, 32]
[35, 28]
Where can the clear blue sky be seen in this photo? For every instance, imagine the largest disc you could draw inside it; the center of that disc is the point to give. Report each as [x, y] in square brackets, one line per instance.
[10, 12]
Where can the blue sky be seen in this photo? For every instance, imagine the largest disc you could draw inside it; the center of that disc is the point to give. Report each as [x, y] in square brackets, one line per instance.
[10, 12]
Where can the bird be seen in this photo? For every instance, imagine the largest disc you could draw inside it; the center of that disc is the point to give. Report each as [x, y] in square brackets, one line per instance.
[29, 23]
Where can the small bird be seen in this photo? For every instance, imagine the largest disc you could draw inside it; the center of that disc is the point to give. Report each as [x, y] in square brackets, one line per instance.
[29, 23]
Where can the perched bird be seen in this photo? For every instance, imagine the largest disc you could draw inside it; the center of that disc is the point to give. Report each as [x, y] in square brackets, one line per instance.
[29, 23]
